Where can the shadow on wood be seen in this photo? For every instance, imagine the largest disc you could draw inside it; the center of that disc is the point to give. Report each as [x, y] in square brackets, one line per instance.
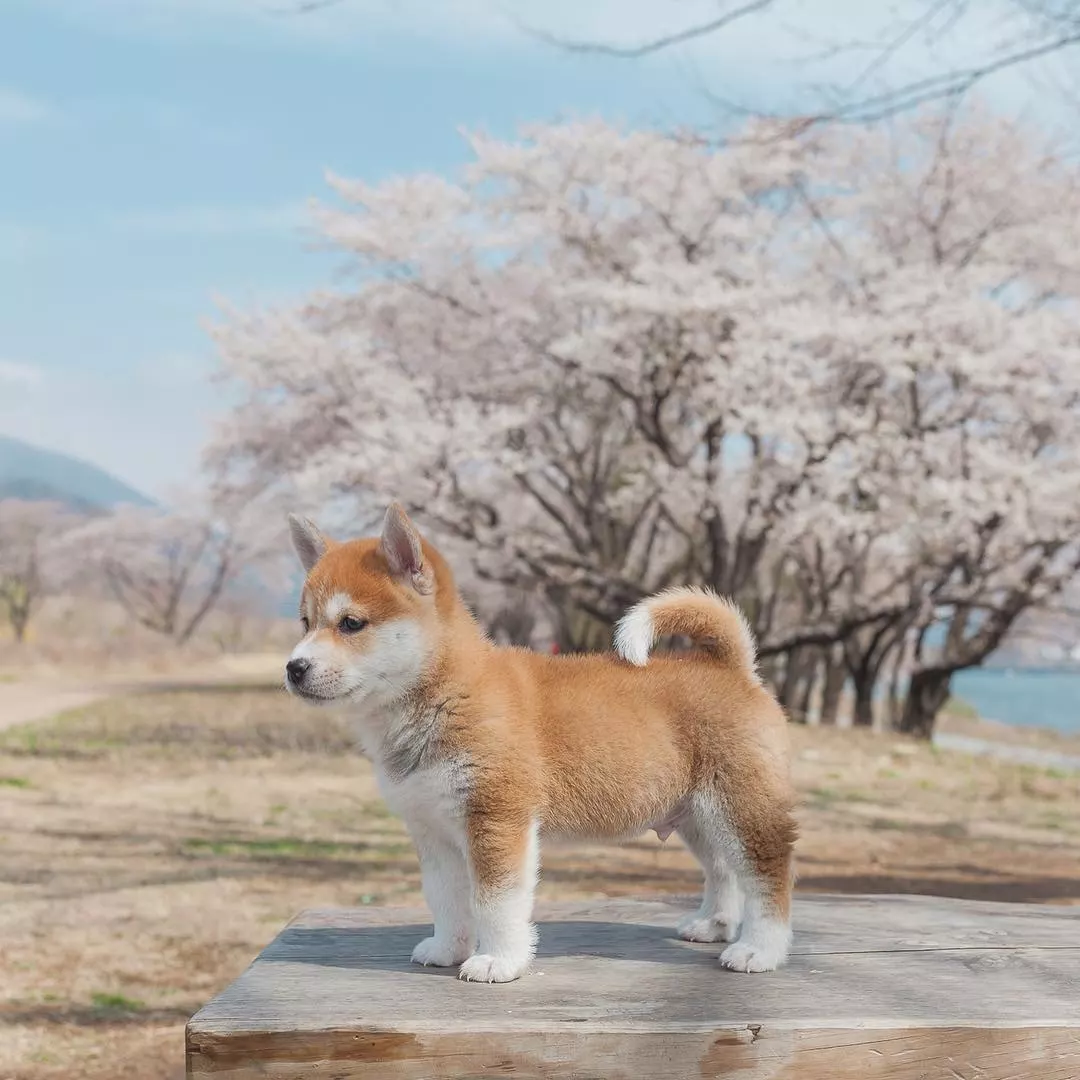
[381, 948]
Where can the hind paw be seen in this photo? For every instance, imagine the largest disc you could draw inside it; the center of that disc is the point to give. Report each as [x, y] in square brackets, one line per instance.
[695, 928]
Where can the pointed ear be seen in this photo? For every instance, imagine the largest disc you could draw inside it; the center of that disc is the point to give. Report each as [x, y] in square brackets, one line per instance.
[400, 546]
[310, 544]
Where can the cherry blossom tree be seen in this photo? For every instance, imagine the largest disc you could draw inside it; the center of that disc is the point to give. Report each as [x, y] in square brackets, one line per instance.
[31, 563]
[832, 373]
[557, 362]
[169, 569]
[983, 385]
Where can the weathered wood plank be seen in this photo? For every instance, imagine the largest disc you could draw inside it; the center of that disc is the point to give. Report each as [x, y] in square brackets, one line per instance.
[940, 1054]
[882, 986]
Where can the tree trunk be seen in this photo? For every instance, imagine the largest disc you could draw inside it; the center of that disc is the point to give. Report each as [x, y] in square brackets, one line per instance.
[899, 669]
[833, 687]
[808, 685]
[18, 598]
[863, 715]
[798, 683]
[578, 631]
[769, 669]
[892, 704]
[927, 693]
[789, 685]
[20, 619]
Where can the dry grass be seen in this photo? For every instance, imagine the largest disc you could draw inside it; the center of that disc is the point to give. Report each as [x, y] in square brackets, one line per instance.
[64, 642]
[152, 845]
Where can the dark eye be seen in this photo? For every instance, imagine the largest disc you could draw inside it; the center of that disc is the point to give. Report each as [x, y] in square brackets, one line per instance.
[304, 623]
[352, 625]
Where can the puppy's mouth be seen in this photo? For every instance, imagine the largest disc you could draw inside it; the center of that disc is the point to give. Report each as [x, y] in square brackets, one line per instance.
[312, 695]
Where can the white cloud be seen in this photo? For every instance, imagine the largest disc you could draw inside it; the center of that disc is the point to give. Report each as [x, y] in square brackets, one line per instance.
[146, 433]
[215, 220]
[19, 242]
[20, 376]
[17, 108]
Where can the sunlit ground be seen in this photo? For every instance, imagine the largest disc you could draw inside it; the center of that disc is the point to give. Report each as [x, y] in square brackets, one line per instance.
[151, 845]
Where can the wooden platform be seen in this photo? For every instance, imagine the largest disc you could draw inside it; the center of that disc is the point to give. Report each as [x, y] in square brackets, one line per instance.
[911, 988]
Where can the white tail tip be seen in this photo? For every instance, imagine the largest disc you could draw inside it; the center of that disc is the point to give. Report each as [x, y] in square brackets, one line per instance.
[635, 635]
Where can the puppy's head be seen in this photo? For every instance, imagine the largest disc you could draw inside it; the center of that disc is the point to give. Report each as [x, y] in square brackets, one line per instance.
[368, 614]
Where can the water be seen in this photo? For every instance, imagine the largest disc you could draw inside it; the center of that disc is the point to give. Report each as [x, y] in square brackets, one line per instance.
[1046, 699]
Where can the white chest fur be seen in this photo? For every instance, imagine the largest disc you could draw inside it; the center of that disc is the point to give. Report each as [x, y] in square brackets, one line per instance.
[420, 781]
[431, 799]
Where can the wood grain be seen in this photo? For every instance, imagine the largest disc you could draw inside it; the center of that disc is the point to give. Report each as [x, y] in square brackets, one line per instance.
[904, 987]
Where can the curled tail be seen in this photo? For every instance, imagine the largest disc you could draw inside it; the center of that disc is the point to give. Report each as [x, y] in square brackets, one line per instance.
[716, 625]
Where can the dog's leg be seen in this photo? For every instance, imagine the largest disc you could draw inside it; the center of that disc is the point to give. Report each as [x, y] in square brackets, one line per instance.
[504, 860]
[756, 832]
[445, 876]
[765, 936]
[721, 904]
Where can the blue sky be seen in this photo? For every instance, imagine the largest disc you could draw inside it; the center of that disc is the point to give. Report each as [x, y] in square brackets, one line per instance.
[158, 154]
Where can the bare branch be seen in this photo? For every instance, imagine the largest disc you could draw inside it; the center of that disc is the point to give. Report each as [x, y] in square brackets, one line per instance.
[667, 41]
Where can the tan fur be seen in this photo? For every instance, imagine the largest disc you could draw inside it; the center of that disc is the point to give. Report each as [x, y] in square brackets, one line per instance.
[586, 745]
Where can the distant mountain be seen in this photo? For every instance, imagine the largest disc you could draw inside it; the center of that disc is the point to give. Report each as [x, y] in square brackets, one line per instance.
[28, 472]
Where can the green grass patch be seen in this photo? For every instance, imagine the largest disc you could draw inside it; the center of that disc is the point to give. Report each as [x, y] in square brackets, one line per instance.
[14, 781]
[828, 796]
[226, 724]
[115, 1003]
[288, 847]
[947, 830]
[52, 738]
[857, 796]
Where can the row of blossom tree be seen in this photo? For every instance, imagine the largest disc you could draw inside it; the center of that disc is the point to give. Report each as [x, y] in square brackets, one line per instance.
[832, 372]
[167, 569]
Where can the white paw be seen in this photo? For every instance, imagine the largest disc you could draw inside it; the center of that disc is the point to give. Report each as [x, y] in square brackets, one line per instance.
[748, 956]
[694, 928]
[491, 969]
[440, 952]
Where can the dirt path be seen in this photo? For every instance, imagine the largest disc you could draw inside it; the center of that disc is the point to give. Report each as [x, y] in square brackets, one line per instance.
[38, 698]
[23, 703]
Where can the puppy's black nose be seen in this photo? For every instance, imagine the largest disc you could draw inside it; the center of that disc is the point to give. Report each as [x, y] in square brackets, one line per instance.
[296, 670]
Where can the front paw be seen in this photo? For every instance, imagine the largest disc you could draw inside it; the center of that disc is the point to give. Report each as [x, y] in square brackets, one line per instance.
[750, 956]
[493, 969]
[441, 952]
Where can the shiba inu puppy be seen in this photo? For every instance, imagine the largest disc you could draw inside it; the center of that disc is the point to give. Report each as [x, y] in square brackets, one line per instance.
[486, 751]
